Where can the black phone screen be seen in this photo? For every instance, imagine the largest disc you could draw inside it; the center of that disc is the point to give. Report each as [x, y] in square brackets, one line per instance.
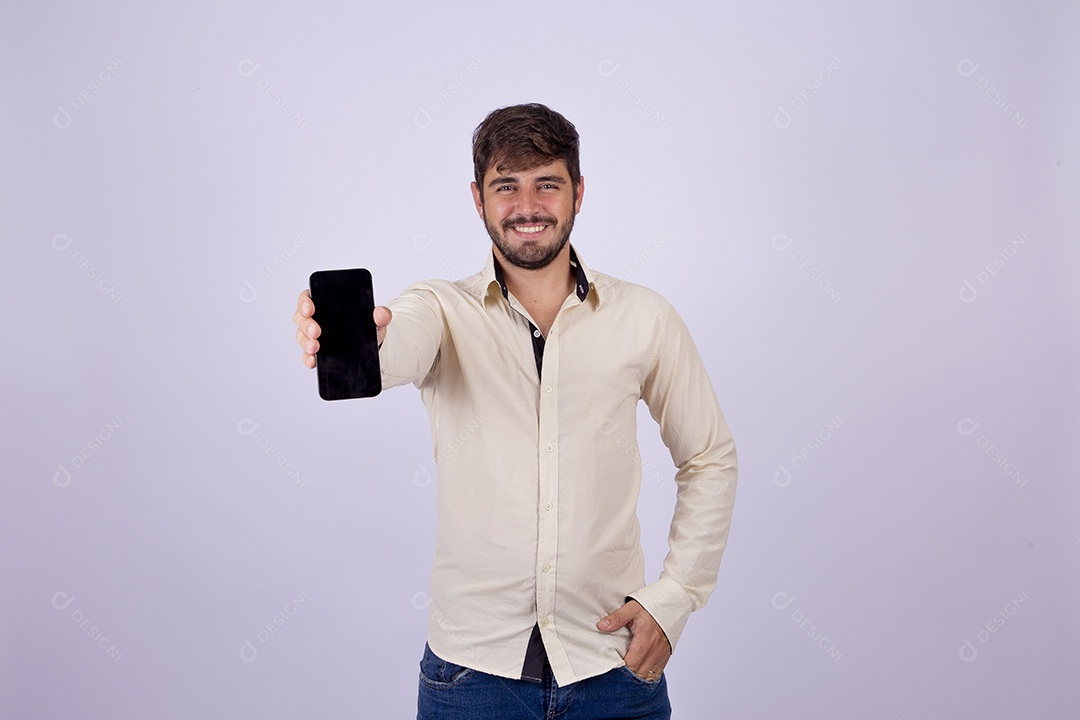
[348, 359]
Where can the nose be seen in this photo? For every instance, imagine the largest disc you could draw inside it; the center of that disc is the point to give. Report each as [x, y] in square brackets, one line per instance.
[528, 201]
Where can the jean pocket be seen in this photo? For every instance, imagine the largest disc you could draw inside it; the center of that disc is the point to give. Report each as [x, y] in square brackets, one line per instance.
[438, 673]
[640, 680]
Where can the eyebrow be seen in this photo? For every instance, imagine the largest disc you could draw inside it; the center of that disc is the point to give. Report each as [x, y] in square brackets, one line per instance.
[557, 179]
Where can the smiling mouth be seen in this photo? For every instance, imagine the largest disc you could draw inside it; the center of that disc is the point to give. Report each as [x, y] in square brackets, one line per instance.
[529, 226]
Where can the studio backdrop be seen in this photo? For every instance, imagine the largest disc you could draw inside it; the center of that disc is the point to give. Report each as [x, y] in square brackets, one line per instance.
[865, 212]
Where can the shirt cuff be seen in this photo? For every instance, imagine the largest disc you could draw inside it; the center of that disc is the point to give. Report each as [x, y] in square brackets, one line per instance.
[669, 605]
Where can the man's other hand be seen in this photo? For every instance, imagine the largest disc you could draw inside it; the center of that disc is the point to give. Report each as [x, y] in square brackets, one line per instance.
[307, 330]
[649, 647]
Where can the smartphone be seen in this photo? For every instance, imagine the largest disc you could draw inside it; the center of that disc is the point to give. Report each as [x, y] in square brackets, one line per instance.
[348, 359]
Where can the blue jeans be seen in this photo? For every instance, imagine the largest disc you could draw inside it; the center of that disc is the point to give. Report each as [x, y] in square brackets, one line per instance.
[454, 692]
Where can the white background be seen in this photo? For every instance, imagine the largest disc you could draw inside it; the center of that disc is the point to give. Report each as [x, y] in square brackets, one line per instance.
[865, 212]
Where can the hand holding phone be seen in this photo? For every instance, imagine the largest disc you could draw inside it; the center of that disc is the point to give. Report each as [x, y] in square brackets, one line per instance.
[347, 355]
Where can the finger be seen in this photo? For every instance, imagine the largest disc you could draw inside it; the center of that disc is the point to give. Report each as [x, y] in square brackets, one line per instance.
[636, 663]
[649, 668]
[636, 655]
[649, 648]
[308, 343]
[305, 308]
[309, 360]
[654, 663]
[308, 331]
[656, 659]
[650, 673]
[615, 620]
[306, 326]
[304, 304]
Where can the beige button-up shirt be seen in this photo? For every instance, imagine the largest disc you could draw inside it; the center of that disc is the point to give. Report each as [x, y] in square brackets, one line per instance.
[538, 477]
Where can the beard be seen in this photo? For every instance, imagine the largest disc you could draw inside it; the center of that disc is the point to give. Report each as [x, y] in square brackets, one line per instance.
[530, 256]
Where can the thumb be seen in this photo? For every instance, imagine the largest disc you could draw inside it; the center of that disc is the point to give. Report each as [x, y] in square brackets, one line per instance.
[382, 316]
[615, 620]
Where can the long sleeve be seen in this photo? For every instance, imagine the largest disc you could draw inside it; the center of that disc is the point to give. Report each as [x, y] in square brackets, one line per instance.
[411, 346]
[681, 399]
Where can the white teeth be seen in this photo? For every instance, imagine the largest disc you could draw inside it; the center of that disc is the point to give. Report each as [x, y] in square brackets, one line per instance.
[530, 228]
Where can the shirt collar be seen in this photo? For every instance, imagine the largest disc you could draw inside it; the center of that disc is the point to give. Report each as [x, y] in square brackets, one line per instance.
[493, 277]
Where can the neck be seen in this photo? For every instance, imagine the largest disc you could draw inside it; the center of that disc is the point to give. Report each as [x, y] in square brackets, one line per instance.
[544, 286]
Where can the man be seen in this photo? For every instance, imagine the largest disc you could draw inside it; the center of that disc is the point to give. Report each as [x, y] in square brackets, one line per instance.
[539, 603]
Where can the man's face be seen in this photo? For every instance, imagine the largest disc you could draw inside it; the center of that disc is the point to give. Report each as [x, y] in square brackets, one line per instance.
[529, 214]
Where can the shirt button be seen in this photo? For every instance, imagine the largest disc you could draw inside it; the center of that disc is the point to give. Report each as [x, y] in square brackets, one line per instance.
[536, 333]
[550, 448]
[548, 388]
[543, 622]
[546, 567]
[547, 506]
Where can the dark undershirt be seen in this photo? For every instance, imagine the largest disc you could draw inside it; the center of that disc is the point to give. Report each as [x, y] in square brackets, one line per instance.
[535, 654]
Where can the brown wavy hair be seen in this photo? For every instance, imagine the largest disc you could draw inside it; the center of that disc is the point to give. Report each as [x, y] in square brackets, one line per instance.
[521, 137]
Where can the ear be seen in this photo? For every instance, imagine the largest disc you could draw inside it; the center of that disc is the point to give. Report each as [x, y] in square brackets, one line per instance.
[580, 194]
[478, 200]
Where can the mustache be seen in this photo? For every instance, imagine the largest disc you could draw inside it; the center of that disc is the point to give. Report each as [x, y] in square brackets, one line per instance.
[531, 220]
